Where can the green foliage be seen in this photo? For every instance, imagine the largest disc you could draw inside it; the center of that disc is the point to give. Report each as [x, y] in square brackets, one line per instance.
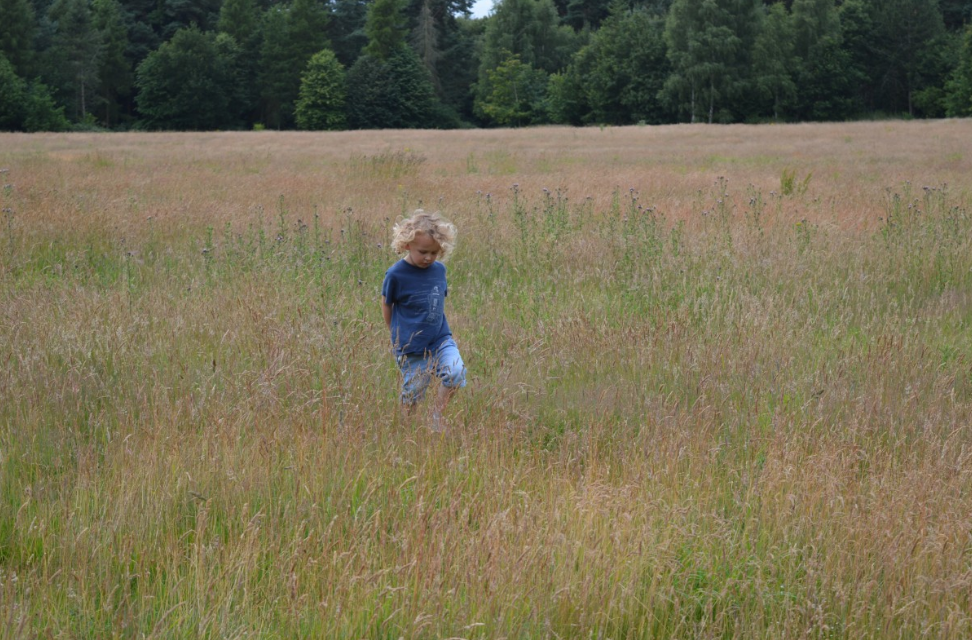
[291, 35]
[74, 58]
[240, 19]
[716, 60]
[346, 30]
[17, 27]
[708, 44]
[396, 93]
[424, 41]
[42, 112]
[774, 60]
[621, 72]
[906, 33]
[275, 69]
[385, 28]
[825, 83]
[12, 89]
[789, 185]
[27, 106]
[565, 98]
[958, 99]
[529, 29]
[857, 34]
[321, 104]
[115, 74]
[190, 83]
[516, 94]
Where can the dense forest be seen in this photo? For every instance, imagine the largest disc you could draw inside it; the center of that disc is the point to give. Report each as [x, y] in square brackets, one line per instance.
[366, 64]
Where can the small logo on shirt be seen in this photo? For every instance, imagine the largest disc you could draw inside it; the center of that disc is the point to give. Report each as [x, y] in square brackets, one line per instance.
[435, 305]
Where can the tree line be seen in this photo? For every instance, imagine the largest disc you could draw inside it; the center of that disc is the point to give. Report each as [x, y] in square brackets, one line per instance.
[357, 64]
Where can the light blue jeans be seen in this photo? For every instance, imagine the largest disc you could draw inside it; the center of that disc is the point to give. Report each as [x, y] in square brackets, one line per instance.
[418, 369]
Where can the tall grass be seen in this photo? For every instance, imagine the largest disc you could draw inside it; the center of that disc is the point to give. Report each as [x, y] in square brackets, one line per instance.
[700, 405]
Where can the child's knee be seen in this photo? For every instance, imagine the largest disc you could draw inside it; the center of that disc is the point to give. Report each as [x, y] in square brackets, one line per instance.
[454, 374]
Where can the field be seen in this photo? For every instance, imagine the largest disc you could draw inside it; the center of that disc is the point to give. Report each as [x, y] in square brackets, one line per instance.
[720, 385]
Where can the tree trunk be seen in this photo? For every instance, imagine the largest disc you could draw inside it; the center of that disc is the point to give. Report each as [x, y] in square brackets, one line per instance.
[693, 104]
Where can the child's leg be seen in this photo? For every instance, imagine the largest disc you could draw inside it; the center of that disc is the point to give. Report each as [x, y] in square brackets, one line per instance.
[416, 375]
[452, 371]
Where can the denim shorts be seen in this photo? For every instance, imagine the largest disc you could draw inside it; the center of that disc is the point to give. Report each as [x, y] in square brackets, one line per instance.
[417, 370]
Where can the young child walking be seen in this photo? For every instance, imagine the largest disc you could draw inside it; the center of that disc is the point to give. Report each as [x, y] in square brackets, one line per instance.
[412, 303]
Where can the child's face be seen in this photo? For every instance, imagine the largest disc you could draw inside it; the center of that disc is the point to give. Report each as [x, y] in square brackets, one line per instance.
[422, 250]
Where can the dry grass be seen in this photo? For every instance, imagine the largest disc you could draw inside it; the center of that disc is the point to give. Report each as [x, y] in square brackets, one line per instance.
[721, 384]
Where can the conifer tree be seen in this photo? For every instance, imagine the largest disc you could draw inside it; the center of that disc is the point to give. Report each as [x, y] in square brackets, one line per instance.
[240, 19]
[385, 28]
[17, 26]
[273, 72]
[115, 71]
[906, 32]
[291, 35]
[346, 30]
[425, 42]
[75, 56]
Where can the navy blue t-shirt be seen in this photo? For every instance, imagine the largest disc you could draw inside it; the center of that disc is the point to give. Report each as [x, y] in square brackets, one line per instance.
[417, 297]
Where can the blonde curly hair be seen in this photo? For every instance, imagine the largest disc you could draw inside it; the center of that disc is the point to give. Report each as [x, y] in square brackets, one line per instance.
[431, 224]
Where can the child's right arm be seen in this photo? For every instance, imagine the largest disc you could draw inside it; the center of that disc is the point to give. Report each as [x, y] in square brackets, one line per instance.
[386, 312]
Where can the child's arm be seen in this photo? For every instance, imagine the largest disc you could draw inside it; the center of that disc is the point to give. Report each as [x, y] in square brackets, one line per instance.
[386, 311]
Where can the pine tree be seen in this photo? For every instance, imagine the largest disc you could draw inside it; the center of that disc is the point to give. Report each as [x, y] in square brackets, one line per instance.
[169, 16]
[857, 39]
[346, 30]
[425, 42]
[240, 19]
[115, 72]
[385, 28]
[291, 35]
[75, 55]
[273, 71]
[906, 32]
[395, 93]
[17, 26]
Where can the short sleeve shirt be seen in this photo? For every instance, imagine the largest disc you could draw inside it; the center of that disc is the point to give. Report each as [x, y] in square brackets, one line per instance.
[417, 297]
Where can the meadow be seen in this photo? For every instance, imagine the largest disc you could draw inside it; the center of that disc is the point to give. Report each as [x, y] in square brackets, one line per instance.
[720, 385]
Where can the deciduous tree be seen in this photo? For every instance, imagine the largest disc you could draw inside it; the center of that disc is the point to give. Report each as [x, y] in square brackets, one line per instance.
[190, 83]
[322, 100]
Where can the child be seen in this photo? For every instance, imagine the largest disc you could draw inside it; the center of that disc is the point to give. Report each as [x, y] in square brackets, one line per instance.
[413, 299]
